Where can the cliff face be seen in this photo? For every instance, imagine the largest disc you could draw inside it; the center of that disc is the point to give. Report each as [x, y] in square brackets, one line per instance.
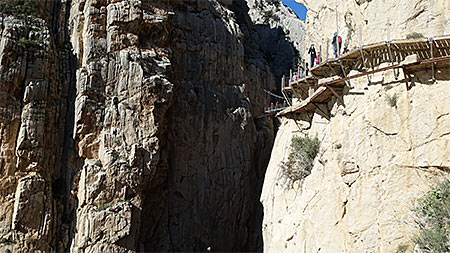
[132, 126]
[378, 154]
[364, 22]
[34, 85]
[284, 41]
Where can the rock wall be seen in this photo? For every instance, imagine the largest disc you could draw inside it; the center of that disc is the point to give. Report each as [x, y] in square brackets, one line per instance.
[378, 153]
[365, 21]
[165, 128]
[132, 126]
[284, 41]
[34, 85]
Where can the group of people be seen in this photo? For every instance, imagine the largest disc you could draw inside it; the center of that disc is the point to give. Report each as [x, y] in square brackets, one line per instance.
[315, 57]
[300, 66]
[301, 69]
[277, 105]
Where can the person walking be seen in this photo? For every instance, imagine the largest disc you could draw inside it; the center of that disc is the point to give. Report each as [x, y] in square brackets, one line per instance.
[337, 43]
[312, 52]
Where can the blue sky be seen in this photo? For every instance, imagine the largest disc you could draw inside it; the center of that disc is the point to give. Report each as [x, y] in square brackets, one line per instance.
[299, 9]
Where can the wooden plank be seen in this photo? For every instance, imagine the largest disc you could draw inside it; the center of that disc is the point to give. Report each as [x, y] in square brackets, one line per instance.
[325, 114]
[337, 95]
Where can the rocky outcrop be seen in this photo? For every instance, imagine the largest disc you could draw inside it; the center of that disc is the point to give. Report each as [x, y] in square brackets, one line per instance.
[284, 41]
[275, 14]
[132, 126]
[34, 87]
[378, 153]
[375, 160]
[165, 131]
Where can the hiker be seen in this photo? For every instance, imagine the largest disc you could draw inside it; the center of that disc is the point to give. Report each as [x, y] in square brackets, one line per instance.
[337, 42]
[304, 67]
[312, 52]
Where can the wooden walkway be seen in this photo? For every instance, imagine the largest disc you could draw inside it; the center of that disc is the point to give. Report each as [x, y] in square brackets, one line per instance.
[371, 56]
[328, 78]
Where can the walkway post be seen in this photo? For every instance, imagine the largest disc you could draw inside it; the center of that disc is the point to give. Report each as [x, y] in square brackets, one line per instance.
[430, 40]
[429, 27]
[337, 33]
[360, 37]
[328, 45]
[320, 54]
[388, 31]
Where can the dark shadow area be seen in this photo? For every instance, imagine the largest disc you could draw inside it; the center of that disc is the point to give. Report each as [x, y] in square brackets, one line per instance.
[217, 152]
[67, 66]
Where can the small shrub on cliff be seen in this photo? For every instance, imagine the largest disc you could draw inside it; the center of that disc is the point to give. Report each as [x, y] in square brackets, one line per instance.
[433, 219]
[27, 44]
[21, 8]
[267, 15]
[392, 101]
[414, 35]
[402, 248]
[102, 207]
[301, 157]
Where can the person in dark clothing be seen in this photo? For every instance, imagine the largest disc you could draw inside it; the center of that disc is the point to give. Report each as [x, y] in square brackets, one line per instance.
[337, 43]
[312, 52]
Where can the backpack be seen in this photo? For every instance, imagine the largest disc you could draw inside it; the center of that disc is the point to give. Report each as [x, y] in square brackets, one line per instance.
[340, 39]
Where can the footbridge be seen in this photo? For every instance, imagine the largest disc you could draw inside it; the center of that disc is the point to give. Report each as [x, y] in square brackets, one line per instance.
[329, 78]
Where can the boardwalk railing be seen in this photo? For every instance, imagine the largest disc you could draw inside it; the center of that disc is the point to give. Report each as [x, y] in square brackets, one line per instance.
[366, 59]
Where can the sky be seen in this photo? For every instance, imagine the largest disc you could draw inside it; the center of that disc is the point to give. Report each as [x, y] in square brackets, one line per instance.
[299, 9]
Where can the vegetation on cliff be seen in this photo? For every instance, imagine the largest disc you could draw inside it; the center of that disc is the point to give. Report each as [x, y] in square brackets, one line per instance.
[433, 215]
[299, 164]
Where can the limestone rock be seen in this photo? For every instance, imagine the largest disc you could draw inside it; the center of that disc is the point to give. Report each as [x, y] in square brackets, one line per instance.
[132, 125]
[281, 34]
[275, 14]
[365, 22]
[168, 144]
[34, 87]
[375, 160]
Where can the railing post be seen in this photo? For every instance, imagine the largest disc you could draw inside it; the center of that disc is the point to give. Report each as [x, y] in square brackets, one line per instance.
[360, 37]
[429, 27]
[337, 34]
[328, 45]
[430, 40]
[320, 53]
[388, 31]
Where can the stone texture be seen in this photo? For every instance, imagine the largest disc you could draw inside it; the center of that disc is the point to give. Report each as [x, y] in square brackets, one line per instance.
[133, 125]
[34, 87]
[284, 41]
[371, 17]
[170, 155]
[375, 160]
[275, 14]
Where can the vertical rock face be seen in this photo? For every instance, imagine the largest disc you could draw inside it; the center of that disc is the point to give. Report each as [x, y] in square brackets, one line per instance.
[34, 84]
[164, 125]
[145, 137]
[284, 41]
[275, 14]
[218, 150]
[378, 154]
